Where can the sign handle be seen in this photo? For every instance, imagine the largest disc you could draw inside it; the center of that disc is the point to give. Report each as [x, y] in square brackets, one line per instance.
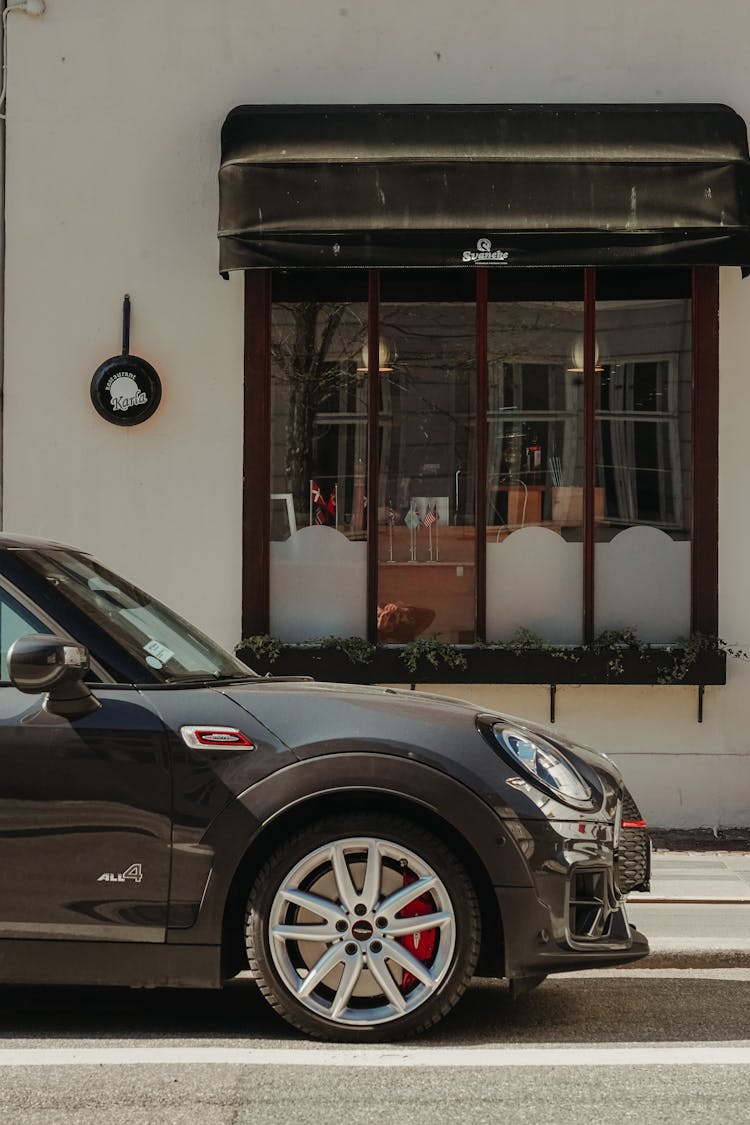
[126, 324]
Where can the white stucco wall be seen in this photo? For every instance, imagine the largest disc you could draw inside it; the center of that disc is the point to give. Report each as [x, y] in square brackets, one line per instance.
[114, 112]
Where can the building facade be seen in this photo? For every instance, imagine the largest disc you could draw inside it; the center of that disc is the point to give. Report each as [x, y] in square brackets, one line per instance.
[464, 377]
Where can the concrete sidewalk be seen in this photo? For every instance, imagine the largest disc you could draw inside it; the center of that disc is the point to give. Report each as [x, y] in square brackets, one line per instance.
[697, 914]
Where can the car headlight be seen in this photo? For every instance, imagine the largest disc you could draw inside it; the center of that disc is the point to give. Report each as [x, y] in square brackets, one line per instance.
[545, 765]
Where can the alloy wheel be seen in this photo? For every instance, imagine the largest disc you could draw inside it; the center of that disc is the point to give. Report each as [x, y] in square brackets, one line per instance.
[355, 936]
[362, 931]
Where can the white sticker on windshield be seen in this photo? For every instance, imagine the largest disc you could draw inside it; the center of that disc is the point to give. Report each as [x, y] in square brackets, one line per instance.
[96, 583]
[161, 652]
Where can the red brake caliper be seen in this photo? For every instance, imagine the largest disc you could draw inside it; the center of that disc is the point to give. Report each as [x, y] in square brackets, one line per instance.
[421, 945]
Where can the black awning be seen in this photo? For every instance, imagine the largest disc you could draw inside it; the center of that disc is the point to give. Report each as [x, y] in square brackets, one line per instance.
[463, 185]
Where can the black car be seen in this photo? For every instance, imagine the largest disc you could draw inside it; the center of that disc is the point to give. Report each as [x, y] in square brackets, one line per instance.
[169, 818]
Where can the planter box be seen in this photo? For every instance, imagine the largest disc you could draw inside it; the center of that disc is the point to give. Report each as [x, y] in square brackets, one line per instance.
[493, 666]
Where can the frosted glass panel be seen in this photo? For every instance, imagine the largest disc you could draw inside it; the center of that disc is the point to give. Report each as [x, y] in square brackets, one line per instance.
[318, 585]
[643, 582]
[534, 582]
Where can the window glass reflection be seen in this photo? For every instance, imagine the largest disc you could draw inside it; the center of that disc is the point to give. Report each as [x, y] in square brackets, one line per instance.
[318, 565]
[644, 467]
[426, 581]
[643, 416]
[535, 450]
[534, 469]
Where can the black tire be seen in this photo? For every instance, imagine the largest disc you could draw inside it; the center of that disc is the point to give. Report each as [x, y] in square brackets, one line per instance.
[274, 962]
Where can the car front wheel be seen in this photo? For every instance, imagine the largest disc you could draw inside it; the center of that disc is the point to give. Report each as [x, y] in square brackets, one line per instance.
[363, 928]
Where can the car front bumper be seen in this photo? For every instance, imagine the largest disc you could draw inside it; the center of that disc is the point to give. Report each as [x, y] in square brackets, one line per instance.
[574, 916]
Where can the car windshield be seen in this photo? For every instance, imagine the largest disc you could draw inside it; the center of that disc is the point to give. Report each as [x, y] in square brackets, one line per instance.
[155, 636]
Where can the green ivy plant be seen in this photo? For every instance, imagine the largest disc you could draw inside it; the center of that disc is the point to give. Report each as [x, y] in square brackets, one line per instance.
[524, 640]
[265, 649]
[527, 641]
[688, 650]
[434, 652]
[613, 644]
[358, 650]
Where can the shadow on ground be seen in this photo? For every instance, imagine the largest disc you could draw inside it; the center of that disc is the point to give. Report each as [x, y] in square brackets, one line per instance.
[609, 1009]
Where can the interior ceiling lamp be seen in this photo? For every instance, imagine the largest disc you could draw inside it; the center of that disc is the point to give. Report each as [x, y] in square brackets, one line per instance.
[576, 355]
[386, 356]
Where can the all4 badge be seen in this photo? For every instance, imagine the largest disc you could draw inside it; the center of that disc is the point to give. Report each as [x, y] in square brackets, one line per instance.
[134, 873]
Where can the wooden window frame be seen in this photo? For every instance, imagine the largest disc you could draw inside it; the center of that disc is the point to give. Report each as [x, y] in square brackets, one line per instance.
[705, 451]
[256, 457]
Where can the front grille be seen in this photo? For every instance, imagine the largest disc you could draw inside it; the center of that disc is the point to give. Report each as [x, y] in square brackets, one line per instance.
[634, 852]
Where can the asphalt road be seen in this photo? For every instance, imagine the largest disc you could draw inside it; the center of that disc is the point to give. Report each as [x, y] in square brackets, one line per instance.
[627, 1045]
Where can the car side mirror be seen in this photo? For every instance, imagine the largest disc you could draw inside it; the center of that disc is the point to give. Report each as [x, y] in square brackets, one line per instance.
[45, 663]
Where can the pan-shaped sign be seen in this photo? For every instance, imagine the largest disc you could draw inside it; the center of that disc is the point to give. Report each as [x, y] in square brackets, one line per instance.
[125, 389]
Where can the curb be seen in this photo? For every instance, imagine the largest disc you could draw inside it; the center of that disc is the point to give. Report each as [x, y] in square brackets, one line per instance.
[699, 900]
[676, 840]
[686, 956]
[693, 934]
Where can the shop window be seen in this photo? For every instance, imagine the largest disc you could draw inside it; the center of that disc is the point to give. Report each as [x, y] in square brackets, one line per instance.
[569, 421]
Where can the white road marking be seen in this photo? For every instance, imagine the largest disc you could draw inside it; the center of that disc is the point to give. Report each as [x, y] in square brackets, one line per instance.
[442, 1057]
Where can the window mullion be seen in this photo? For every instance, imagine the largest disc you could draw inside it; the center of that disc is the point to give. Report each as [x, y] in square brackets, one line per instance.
[480, 505]
[256, 529]
[705, 406]
[373, 445]
[589, 410]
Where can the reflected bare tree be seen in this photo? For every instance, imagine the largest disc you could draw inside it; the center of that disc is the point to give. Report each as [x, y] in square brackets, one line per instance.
[311, 367]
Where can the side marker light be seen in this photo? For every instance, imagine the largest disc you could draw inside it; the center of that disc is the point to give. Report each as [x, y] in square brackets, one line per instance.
[215, 738]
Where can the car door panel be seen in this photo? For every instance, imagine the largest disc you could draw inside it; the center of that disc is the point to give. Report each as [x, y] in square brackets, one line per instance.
[84, 820]
[206, 781]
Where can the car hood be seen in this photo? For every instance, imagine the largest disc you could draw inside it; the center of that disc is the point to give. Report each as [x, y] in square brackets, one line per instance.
[314, 718]
[305, 712]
